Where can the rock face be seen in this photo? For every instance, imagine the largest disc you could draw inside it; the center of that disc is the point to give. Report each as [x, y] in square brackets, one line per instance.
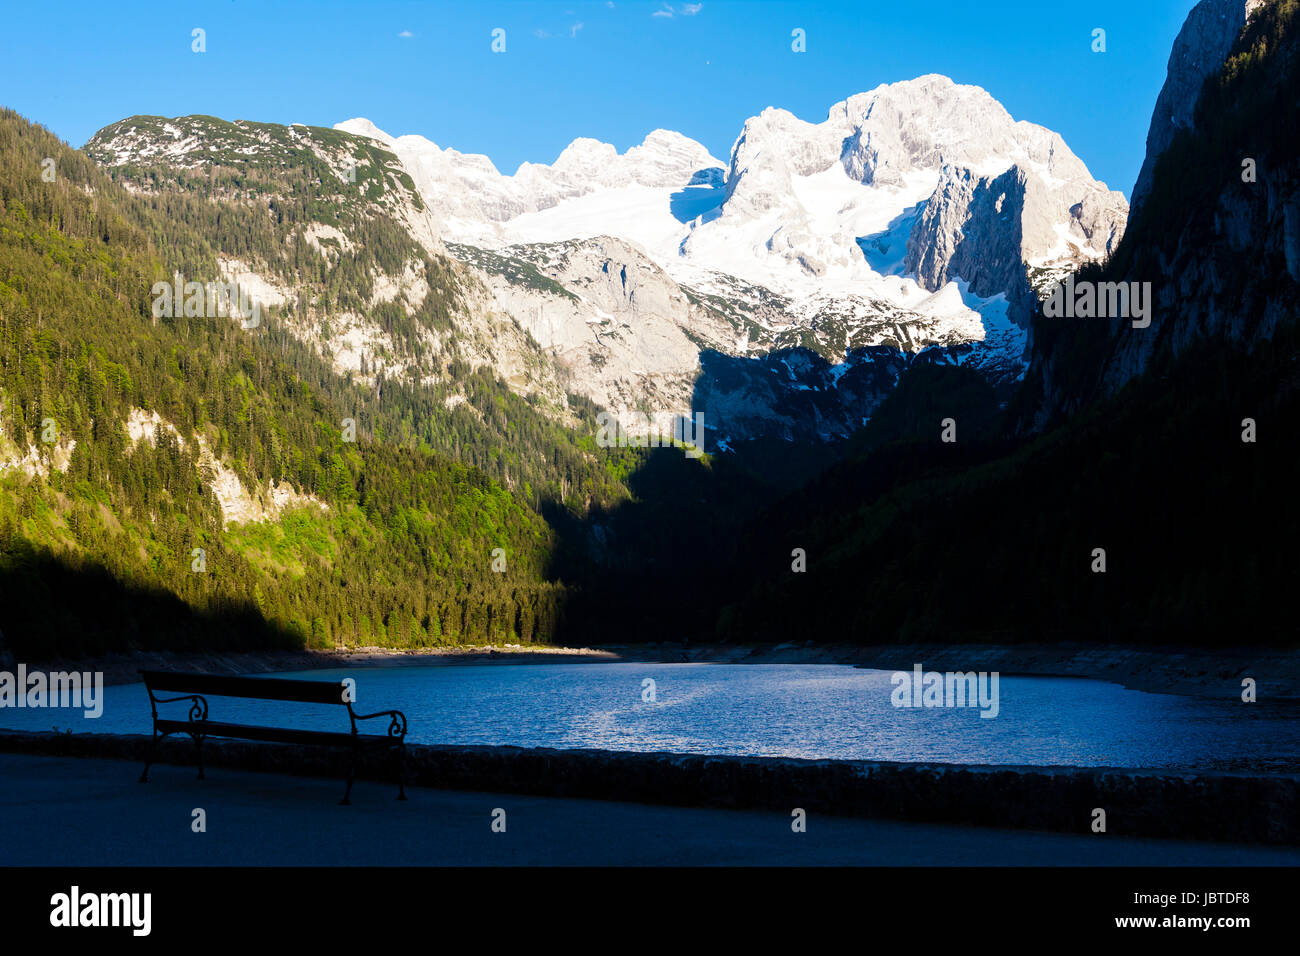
[1217, 247]
[1199, 51]
[921, 124]
[994, 231]
[607, 315]
[972, 227]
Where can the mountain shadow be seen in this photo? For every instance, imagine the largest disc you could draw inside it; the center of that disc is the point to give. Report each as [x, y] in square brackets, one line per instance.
[58, 607]
[701, 196]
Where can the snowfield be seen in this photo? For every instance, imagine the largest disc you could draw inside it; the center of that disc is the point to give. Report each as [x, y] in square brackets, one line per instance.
[823, 215]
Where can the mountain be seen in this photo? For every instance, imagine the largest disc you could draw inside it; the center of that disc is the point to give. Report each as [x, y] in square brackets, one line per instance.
[435, 340]
[794, 190]
[918, 214]
[1200, 49]
[1141, 485]
[1216, 236]
[185, 478]
[791, 201]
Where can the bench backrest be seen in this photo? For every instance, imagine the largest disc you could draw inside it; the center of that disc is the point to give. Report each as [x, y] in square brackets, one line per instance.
[261, 688]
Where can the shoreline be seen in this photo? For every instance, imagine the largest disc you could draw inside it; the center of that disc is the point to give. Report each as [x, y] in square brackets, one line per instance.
[1186, 671]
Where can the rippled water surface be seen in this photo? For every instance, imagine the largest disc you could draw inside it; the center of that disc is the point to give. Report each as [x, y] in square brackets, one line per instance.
[808, 710]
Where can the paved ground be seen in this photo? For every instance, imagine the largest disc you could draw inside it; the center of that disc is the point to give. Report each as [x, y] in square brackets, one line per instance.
[87, 812]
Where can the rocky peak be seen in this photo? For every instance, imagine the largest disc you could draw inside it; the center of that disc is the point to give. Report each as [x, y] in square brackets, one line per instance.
[1219, 251]
[1199, 51]
[360, 126]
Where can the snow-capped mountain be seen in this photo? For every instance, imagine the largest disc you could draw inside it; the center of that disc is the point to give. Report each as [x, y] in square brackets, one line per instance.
[800, 206]
[781, 292]
[917, 214]
[471, 196]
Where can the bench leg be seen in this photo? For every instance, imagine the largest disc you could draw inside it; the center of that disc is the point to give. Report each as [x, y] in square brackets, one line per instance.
[352, 773]
[149, 761]
[198, 745]
[401, 772]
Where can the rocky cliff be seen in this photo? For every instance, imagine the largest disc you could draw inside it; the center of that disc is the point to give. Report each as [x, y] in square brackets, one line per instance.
[1216, 237]
[1199, 52]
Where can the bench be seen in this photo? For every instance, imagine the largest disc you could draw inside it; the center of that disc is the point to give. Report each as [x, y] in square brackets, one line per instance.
[196, 688]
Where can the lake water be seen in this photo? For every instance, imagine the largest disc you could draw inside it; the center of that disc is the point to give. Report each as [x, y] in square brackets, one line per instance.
[811, 710]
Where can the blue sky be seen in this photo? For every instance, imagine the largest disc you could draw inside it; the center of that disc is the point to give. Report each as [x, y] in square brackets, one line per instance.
[613, 71]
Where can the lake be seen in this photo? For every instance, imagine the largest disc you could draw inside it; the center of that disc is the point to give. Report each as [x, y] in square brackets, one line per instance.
[795, 710]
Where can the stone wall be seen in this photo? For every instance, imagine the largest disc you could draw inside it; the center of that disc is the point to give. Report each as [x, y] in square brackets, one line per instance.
[1143, 803]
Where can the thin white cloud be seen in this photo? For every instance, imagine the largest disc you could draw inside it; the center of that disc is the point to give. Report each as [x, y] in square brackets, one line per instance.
[573, 30]
[686, 10]
[406, 34]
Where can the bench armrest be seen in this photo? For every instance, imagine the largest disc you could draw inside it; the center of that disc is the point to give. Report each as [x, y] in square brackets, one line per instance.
[396, 724]
[198, 705]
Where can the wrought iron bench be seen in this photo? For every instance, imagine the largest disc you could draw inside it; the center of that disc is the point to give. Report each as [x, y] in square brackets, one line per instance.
[196, 688]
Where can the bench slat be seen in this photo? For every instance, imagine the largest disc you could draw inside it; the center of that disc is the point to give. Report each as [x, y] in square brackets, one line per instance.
[264, 688]
[281, 735]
